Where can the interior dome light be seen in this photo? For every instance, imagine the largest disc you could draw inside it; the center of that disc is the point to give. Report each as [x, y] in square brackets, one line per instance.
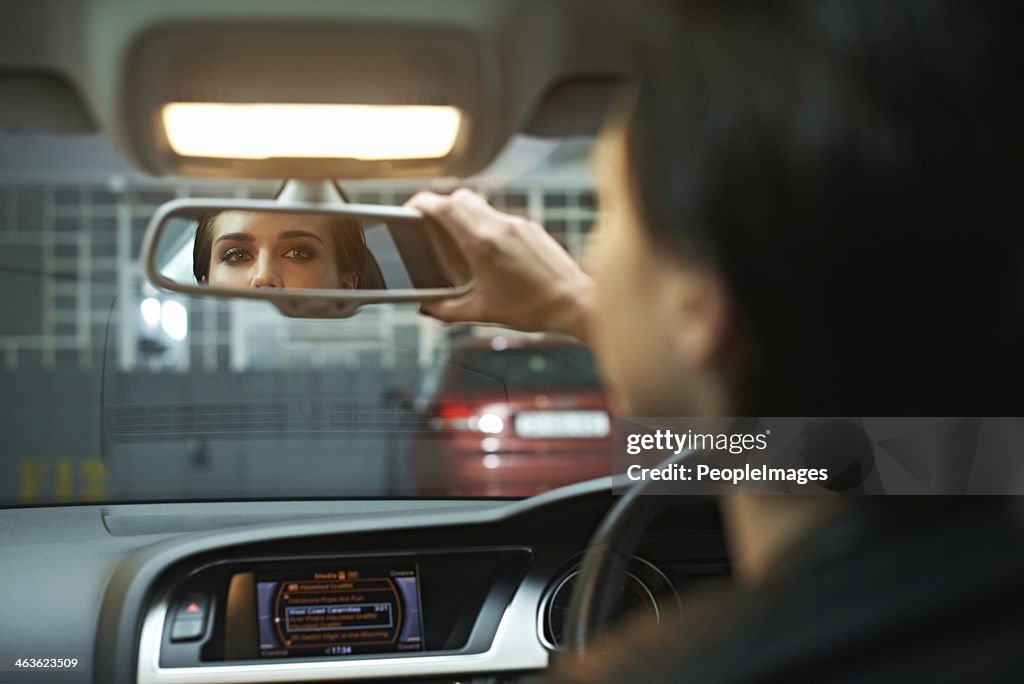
[343, 131]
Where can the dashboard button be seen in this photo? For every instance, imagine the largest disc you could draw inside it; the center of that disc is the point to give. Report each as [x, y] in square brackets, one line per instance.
[187, 629]
[193, 606]
[190, 617]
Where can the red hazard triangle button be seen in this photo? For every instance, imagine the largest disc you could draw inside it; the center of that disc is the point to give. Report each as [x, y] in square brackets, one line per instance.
[193, 605]
[190, 619]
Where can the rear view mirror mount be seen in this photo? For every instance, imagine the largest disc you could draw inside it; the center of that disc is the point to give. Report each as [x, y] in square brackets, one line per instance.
[308, 252]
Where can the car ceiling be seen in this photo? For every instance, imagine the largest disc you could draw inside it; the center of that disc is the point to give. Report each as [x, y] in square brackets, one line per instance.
[540, 67]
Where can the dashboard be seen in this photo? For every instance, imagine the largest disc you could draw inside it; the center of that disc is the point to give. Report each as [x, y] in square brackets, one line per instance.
[325, 591]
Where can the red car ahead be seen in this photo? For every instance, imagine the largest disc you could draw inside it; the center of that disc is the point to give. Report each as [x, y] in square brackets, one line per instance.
[510, 416]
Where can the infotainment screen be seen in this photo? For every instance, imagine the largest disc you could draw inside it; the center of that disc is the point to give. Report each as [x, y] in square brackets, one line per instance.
[347, 609]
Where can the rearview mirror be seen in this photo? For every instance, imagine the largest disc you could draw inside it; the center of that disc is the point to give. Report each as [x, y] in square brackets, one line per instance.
[311, 259]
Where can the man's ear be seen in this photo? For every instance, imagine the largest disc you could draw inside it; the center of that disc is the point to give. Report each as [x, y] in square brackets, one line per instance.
[702, 318]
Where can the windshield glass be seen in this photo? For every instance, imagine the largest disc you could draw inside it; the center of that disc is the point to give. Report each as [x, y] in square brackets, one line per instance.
[116, 391]
[530, 368]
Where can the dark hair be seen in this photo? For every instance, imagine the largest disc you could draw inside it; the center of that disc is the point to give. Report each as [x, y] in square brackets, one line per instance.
[349, 244]
[845, 166]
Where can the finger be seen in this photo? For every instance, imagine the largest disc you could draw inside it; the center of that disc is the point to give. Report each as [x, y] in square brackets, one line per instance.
[463, 213]
[473, 199]
[453, 261]
[422, 199]
[447, 310]
[445, 230]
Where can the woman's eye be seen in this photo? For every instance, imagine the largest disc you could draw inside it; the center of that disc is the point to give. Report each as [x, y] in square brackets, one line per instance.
[235, 256]
[300, 253]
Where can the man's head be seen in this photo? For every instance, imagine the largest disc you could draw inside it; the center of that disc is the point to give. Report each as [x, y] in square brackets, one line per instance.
[805, 212]
[273, 249]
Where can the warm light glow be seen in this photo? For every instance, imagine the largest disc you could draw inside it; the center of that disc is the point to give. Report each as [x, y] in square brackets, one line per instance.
[263, 131]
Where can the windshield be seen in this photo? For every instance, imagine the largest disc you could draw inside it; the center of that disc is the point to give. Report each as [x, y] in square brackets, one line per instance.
[542, 369]
[116, 391]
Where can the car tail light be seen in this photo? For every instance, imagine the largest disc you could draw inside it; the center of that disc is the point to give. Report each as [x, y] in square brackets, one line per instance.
[452, 415]
[459, 415]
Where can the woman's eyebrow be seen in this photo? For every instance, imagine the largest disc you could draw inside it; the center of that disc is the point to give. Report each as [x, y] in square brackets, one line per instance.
[285, 235]
[241, 237]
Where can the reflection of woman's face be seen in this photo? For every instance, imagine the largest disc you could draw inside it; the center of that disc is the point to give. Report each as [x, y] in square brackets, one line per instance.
[267, 249]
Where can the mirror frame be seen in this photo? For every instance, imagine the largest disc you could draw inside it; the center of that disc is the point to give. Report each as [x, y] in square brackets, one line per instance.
[294, 303]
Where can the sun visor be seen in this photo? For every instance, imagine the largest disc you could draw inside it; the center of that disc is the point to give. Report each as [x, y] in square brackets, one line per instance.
[34, 103]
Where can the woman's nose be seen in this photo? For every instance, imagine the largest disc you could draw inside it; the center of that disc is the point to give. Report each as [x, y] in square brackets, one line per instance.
[266, 274]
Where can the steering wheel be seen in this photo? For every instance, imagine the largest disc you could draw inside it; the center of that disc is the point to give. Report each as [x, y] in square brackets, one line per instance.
[603, 570]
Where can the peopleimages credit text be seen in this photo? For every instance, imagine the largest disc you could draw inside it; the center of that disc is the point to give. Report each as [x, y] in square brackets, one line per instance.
[747, 473]
[733, 443]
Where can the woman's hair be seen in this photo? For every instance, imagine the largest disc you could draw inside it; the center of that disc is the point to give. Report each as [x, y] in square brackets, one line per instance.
[846, 166]
[349, 244]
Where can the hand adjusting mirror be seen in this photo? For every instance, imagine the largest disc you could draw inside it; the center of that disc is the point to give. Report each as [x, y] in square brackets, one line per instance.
[308, 252]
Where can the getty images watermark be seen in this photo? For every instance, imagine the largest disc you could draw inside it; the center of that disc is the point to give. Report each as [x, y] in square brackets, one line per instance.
[820, 455]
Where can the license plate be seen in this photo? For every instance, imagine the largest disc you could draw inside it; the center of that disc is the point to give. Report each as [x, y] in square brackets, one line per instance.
[570, 424]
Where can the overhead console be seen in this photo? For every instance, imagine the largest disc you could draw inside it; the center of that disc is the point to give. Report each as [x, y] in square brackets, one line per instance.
[258, 610]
